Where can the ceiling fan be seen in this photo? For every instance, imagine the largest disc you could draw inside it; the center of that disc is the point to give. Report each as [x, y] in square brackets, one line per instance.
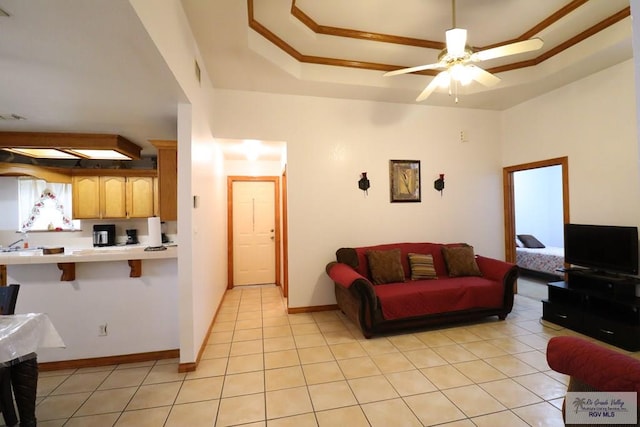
[457, 61]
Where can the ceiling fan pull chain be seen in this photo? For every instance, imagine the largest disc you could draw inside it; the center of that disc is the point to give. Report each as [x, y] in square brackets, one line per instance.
[456, 90]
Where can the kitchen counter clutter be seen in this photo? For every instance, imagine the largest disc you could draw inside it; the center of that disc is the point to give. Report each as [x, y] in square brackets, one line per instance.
[97, 254]
[133, 254]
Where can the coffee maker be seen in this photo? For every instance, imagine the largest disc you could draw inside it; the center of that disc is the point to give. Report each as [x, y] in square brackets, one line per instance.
[163, 235]
[104, 235]
[132, 236]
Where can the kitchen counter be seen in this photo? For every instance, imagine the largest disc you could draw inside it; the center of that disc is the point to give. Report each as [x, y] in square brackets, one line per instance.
[133, 254]
[97, 254]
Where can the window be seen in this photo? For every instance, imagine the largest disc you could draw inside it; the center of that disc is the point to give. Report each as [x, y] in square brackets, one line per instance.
[44, 205]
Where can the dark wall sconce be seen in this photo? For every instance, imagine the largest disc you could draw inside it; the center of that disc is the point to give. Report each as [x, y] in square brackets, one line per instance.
[364, 183]
[438, 184]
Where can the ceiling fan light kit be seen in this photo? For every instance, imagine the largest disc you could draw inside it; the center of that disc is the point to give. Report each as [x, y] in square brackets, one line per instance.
[456, 42]
[457, 58]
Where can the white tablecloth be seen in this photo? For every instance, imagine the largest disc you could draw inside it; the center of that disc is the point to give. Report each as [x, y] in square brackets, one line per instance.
[21, 334]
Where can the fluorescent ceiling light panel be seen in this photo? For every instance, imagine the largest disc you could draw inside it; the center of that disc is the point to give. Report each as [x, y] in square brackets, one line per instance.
[76, 145]
[43, 153]
[99, 154]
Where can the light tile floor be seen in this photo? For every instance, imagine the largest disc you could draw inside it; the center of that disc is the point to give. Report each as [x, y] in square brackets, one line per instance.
[265, 367]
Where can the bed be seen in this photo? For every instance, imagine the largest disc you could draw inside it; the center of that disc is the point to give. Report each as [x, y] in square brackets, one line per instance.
[540, 261]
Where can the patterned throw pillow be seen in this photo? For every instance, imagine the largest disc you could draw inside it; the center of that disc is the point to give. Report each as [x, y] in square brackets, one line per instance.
[385, 266]
[422, 266]
[460, 261]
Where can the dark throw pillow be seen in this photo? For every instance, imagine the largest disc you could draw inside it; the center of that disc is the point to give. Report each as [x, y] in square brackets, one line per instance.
[422, 266]
[460, 261]
[385, 266]
[530, 242]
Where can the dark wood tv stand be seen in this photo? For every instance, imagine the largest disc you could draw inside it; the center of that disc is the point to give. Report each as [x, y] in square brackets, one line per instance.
[601, 305]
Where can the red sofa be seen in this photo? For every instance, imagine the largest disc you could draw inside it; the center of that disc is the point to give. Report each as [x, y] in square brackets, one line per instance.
[407, 303]
[593, 367]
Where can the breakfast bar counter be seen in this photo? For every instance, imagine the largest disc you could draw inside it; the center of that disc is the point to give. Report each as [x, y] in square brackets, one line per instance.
[66, 261]
[100, 308]
[107, 253]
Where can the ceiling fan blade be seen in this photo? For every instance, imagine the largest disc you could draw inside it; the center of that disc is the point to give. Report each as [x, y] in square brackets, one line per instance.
[456, 42]
[508, 49]
[483, 77]
[413, 69]
[437, 80]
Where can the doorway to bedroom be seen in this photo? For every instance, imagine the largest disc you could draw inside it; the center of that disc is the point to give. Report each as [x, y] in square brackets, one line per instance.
[536, 209]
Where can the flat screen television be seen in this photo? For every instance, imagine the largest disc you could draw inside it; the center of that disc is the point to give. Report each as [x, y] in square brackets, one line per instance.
[604, 248]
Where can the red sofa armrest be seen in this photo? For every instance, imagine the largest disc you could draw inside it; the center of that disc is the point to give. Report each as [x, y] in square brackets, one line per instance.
[492, 268]
[502, 272]
[343, 275]
[600, 367]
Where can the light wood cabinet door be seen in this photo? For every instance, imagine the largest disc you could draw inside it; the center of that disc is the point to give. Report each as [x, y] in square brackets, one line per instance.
[113, 200]
[140, 200]
[85, 197]
[156, 197]
[167, 179]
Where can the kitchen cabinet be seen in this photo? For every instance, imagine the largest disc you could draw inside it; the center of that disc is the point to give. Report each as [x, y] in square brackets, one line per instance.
[167, 185]
[140, 197]
[112, 197]
[85, 197]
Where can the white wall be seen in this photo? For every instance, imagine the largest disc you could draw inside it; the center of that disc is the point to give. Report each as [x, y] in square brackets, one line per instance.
[593, 122]
[140, 312]
[330, 142]
[9, 204]
[202, 231]
[538, 204]
[635, 26]
[253, 168]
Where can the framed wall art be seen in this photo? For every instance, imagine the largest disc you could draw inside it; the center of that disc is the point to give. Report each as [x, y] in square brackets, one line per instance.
[404, 180]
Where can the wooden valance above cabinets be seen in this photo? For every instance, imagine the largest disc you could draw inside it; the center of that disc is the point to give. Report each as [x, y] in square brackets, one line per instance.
[49, 174]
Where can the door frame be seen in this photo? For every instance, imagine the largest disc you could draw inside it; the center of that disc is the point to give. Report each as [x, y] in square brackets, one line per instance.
[285, 236]
[276, 204]
[509, 199]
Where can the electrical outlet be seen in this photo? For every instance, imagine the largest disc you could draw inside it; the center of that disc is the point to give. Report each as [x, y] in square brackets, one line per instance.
[102, 330]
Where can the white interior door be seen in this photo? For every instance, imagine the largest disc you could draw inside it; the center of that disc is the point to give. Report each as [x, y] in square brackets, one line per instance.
[253, 232]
